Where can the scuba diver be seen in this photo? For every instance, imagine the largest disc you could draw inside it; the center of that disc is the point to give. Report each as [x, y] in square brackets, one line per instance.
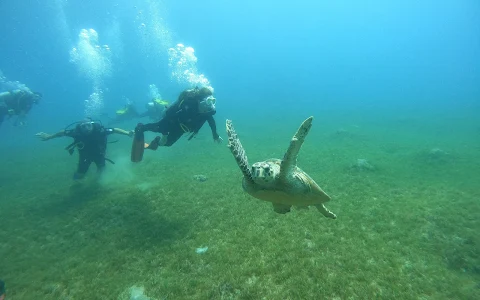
[155, 109]
[17, 103]
[90, 138]
[192, 109]
[129, 112]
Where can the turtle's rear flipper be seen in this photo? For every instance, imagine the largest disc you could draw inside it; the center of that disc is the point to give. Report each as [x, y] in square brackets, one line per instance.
[281, 208]
[321, 208]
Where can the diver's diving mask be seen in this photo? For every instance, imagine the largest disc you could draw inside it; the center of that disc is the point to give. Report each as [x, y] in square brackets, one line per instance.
[207, 104]
[86, 127]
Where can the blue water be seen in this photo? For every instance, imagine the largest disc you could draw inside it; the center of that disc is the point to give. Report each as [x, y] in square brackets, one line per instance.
[315, 55]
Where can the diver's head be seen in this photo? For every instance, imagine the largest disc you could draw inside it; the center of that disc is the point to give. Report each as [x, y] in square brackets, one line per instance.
[86, 127]
[204, 92]
[207, 104]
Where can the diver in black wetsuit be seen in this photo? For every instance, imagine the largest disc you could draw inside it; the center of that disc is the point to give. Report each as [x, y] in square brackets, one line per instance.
[192, 109]
[17, 103]
[90, 138]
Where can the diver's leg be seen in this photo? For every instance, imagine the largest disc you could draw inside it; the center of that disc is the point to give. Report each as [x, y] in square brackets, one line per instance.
[83, 164]
[153, 145]
[154, 127]
[173, 137]
[100, 163]
[166, 140]
[162, 127]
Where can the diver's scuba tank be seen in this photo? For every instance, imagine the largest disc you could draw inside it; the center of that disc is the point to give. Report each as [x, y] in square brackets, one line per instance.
[138, 144]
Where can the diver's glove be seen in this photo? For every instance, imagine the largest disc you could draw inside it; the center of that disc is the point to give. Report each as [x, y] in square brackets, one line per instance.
[43, 136]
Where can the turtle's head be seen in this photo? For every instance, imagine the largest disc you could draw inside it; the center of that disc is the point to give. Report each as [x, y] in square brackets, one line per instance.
[264, 173]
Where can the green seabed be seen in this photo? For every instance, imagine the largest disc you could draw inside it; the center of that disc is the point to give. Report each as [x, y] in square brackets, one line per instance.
[408, 229]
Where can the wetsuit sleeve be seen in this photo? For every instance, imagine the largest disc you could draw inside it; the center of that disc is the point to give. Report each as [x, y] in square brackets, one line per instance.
[70, 133]
[213, 126]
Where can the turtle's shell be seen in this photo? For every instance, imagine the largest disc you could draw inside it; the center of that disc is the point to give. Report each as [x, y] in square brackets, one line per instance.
[296, 188]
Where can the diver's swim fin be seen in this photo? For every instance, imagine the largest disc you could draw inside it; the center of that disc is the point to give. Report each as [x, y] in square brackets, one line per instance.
[154, 144]
[138, 144]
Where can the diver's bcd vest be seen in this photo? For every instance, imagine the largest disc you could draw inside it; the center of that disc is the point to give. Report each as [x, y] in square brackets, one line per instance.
[95, 135]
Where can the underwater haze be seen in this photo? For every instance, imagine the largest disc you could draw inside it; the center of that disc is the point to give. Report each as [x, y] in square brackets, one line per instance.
[394, 89]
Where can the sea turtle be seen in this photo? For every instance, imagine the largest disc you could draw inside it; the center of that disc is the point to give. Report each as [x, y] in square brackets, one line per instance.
[280, 181]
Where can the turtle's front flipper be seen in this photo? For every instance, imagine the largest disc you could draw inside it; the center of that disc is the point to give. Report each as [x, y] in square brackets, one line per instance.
[290, 158]
[321, 208]
[238, 152]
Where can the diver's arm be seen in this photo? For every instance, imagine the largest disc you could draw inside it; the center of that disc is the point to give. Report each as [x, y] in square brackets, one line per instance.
[213, 126]
[124, 132]
[45, 136]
